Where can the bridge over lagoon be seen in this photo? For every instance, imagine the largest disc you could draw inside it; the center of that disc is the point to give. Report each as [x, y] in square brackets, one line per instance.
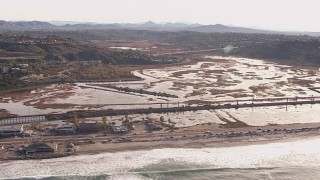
[168, 107]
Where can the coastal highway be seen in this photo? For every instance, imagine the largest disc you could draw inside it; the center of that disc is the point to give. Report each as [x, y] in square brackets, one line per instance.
[192, 132]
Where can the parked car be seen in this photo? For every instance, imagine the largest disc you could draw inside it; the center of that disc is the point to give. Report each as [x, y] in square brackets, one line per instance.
[106, 141]
[123, 139]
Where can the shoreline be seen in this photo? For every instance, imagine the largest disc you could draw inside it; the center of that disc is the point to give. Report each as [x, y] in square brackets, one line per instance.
[35, 157]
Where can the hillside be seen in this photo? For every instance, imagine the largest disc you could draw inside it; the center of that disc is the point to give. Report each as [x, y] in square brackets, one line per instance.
[25, 25]
[53, 49]
[68, 56]
[79, 53]
[302, 53]
[276, 47]
[27, 60]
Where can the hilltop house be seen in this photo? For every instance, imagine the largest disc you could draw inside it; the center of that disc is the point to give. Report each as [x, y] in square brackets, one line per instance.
[22, 66]
[18, 71]
[4, 69]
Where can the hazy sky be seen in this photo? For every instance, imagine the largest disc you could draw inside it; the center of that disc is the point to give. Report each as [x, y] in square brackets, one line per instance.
[300, 15]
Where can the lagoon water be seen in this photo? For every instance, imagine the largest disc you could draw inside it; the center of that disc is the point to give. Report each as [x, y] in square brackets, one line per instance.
[298, 159]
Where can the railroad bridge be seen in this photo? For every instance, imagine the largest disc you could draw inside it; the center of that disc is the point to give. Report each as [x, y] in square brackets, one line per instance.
[163, 108]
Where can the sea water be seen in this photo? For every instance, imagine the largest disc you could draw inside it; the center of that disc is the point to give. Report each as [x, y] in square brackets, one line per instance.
[299, 159]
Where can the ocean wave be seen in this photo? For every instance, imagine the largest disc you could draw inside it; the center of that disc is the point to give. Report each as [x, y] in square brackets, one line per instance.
[158, 161]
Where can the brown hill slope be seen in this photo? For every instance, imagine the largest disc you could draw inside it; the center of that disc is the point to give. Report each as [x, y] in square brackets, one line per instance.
[306, 53]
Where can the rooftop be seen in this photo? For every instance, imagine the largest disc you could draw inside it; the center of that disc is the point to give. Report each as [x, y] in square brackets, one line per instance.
[11, 128]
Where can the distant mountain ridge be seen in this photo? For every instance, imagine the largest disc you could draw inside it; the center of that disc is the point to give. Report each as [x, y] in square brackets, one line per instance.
[224, 28]
[25, 25]
[152, 26]
[140, 26]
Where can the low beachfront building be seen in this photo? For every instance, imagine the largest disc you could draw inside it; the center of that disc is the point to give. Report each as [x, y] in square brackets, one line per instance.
[38, 148]
[7, 131]
[68, 128]
[88, 126]
[155, 126]
[120, 129]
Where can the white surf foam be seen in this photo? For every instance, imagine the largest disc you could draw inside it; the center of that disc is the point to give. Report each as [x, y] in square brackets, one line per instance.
[297, 153]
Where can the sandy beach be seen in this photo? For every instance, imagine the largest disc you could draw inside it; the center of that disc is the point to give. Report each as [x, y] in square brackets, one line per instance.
[204, 139]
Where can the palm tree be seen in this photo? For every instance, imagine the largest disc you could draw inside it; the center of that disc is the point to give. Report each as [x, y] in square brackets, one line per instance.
[34, 126]
[130, 126]
[125, 120]
[75, 121]
[105, 126]
[161, 118]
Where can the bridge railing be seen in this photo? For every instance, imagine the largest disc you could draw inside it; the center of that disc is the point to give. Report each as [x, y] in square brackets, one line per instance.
[22, 120]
